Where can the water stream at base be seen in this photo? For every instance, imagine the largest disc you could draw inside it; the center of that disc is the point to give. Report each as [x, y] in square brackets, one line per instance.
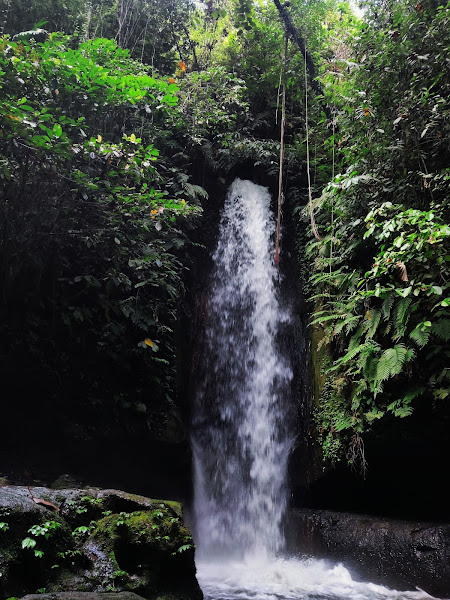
[241, 432]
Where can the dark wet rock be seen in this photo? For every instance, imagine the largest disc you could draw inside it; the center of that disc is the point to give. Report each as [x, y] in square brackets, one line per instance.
[102, 540]
[64, 481]
[84, 596]
[402, 554]
[19, 512]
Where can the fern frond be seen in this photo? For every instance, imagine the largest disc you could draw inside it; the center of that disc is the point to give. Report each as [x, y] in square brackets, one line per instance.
[194, 191]
[356, 337]
[328, 277]
[387, 328]
[419, 336]
[391, 363]
[327, 318]
[350, 326]
[401, 317]
[372, 326]
[442, 329]
[348, 323]
[349, 356]
[401, 407]
[386, 307]
[370, 371]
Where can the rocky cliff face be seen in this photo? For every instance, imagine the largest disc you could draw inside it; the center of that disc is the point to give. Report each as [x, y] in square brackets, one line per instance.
[93, 540]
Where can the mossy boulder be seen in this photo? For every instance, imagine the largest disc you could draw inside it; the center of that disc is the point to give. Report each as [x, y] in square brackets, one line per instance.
[143, 550]
[103, 540]
[84, 596]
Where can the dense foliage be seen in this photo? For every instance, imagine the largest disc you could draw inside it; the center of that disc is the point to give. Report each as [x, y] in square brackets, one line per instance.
[382, 267]
[91, 266]
[113, 127]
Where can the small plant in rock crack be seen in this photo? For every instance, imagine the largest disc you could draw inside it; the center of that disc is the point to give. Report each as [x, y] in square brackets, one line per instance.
[182, 549]
[68, 556]
[4, 526]
[123, 518]
[157, 516]
[46, 530]
[83, 530]
[87, 501]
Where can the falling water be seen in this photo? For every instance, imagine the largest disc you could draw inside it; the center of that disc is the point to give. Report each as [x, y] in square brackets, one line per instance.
[241, 427]
[241, 442]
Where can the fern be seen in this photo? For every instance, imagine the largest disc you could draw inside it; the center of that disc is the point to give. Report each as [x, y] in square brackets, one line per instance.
[420, 336]
[324, 319]
[391, 363]
[401, 407]
[328, 277]
[370, 369]
[387, 328]
[375, 317]
[442, 329]
[387, 306]
[349, 323]
[442, 376]
[194, 191]
[401, 317]
[351, 353]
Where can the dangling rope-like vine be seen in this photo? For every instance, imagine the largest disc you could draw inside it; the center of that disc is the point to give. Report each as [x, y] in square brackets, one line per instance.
[332, 203]
[280, 177]
[310, 204]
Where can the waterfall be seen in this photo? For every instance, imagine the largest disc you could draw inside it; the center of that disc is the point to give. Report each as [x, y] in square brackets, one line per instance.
[242, 435]
[241, 438]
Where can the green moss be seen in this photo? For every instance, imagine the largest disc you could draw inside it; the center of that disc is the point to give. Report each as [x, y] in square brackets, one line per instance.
[175, 506]
[318, 358]
[112, 556]
[158, 528]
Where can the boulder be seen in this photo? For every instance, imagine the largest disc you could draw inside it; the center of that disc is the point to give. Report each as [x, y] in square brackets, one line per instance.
[402, 554]
[93, 540]
[84, 596]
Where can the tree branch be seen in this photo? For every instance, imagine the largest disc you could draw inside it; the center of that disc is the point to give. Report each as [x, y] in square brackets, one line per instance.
[297, 38]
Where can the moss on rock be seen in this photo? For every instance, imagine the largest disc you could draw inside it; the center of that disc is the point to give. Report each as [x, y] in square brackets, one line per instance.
[144, 549]
[106, 540]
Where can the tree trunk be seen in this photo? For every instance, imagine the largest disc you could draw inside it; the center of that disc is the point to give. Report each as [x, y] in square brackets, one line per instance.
[297, 38]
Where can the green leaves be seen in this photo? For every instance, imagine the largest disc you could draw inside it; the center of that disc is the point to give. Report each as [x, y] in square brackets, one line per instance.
[28, 543]
[57, 130]
[385, 218]
[46, 529]
[391, 363]
[100, 211]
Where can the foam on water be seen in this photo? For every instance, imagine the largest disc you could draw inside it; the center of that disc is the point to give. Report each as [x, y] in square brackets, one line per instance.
[262, 578]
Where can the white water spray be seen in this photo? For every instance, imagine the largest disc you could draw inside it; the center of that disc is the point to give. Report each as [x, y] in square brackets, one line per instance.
[241, 444]
[241, 431]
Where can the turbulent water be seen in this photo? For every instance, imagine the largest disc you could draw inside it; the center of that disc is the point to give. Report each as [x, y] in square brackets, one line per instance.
[277, 579]
[241, 427]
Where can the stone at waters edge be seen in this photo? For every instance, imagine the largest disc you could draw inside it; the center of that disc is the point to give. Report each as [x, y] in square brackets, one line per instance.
[84, 596]
[402, 554]
[134, 544]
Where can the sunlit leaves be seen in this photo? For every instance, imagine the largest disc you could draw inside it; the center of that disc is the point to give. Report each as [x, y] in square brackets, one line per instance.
[93, 215]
